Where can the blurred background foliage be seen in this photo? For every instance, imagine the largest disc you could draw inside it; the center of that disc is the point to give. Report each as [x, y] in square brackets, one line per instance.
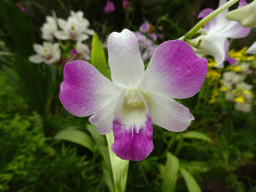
[31, 115]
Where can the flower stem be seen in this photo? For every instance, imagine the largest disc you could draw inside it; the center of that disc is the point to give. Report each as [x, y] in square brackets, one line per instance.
[205, 20]
[119, 167]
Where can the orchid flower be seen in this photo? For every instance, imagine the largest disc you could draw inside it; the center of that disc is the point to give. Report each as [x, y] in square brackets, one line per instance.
[246, 15]
[147, 46]
[252, 49]
[215, 33]
[75, 28]
[48, 53]
[135, 99]
[49, 28]
[81, 51]
[109, 7]
[148, 29]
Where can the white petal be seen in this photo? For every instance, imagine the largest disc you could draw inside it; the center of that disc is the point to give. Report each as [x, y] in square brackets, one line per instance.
[63, 24]
[252, 49]
[61, 35]
[168, 113]
[103, 118]
[36, 59]
[213, 45]
[124, 58]
[38, 48]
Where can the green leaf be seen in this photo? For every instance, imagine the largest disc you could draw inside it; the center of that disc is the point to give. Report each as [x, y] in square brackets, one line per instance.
[191, 183]
[98, 58]
[76, 136]
[19, 29]
[195, 166]
[169, 173]
[196, 135]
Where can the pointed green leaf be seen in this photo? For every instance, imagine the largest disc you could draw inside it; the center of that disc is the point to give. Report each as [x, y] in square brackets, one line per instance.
[196, 135]
[98, 58]
[169, 173]
[76, 136]
[195, 166]
[191, 183]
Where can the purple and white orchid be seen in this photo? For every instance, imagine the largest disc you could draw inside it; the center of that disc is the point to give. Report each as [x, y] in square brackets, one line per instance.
[215, 34]
[135, 99]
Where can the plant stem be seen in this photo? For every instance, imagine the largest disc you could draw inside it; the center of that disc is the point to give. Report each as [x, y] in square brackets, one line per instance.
[205, 20]
[119, 167]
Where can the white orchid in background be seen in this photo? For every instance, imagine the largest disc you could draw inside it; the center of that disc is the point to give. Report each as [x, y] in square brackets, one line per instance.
[82, 52]
[214, 38]
[246, 15]
[75, 28]
[49, 28]
[47, 53]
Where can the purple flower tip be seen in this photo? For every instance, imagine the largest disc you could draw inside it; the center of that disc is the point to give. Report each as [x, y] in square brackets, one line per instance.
[130, 145]
[109, 7]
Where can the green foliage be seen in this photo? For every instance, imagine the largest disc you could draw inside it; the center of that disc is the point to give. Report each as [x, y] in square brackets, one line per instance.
[73, 135]
[169, 173]
[18, 145]
[98, 58]
[190, 181]
[19, 29]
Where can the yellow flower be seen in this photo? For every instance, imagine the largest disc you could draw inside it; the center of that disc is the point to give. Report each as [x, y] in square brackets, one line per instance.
[213, 74]
[214, 95]
[240, 99]
[224, 88]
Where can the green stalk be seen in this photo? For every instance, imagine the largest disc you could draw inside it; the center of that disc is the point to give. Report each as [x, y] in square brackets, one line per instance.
[205, 20]
[119, 167]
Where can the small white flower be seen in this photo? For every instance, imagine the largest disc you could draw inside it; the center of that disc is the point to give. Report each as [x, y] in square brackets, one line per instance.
[238, 78]
[229, 96]
[244, 86]
[49, 28]
[245, 68]
[248, 97]
[83, 49]
[228, 85]
[75, 28]
[244, 107]
[228, 76]
[48, 53]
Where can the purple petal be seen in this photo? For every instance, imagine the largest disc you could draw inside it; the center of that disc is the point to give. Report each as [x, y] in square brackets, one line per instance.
[109, 7]
[124, 58]
[85, 90]
[144, 28]
[242, 3]
[174, 71]
[203, 14]
[229, 59]
[130, 145]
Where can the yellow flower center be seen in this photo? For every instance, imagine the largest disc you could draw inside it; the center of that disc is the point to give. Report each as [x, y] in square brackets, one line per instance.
[133, 99]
